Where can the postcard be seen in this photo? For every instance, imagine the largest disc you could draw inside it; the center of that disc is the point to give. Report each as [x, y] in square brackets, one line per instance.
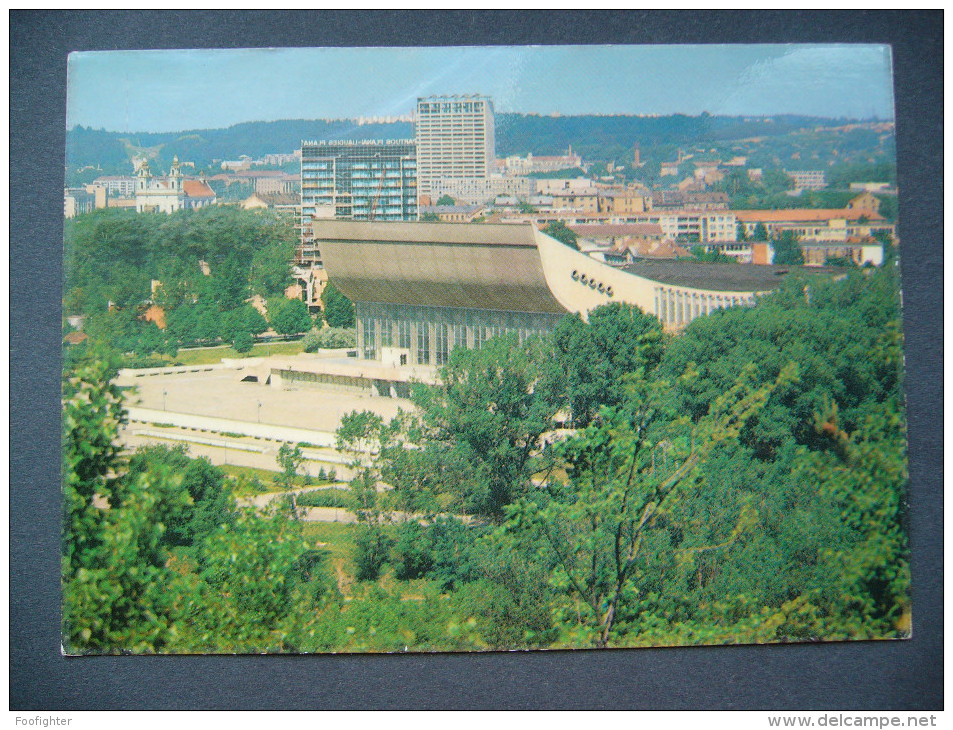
[482, 348]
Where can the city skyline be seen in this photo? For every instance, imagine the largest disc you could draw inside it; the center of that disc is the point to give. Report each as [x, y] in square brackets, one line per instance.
[170, 91]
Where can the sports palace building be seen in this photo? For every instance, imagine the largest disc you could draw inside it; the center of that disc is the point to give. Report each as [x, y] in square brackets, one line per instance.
[421, 289]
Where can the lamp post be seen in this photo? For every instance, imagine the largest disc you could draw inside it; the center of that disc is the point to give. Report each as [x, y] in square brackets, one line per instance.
[164, 394]
[259, 411]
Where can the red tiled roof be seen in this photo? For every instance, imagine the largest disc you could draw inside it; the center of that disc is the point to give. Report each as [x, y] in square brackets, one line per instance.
[798, 215]
[197, 189]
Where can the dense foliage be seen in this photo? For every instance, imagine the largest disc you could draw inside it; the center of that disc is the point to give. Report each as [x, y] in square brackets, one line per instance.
[198, 267]
[338, 309]
[609, 485]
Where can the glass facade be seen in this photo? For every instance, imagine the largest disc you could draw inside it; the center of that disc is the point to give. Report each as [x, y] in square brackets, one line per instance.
[430, 333]
[368, 180]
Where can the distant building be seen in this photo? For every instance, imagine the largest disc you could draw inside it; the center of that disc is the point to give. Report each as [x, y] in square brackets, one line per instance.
[865, 201]
[808, 179]
[281, 202]
[682, 226]
[453, 213]
[551, 186]
[455, 139]
[515, 165]
[282, 183]
[362, 180]
[76, 201]
[119, 186]
[365, 180]
[816, 225]
[859, 250]
[171, 193]
[622, 201]
[869, 187]
[478, 190]
[690, 199]
[99, 193]
[581, 201]
[277, 160]
[243, 163]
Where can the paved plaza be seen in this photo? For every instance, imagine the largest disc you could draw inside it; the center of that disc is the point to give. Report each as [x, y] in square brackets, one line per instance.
[219, 392]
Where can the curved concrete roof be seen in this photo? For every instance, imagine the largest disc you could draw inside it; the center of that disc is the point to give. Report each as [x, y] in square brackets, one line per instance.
[485, 266]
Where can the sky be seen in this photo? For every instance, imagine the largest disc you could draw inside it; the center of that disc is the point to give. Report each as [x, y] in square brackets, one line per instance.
[165, 91]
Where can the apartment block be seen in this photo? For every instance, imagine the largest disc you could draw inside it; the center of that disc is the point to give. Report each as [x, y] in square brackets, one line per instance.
[455, 139]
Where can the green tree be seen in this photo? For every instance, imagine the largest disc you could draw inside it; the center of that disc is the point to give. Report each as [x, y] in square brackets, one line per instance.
[113, 555]
[760, 232]
[289, 459]
[787, 250]
[446, 200]
[289, 316]
[562, 233]
[596, 527]
[243, 342]
[338, 310]
[260, 587]
[211, 501]
[700, 254]
[594, 357]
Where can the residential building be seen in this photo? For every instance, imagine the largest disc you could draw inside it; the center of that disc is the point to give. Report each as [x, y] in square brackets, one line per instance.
[515, 165]
[819, 225]
[76, 201]
[118, 186]
[808, 179]
[479, 191]
[622, 201]
[455, 139]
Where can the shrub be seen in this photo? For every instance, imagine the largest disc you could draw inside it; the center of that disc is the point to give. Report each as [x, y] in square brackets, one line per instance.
[371, 547]
[330, 338]
[324, 498]
[412, 553]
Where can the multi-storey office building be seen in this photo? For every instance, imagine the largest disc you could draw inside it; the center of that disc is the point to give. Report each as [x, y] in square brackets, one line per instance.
[364, 181]
[455, 139]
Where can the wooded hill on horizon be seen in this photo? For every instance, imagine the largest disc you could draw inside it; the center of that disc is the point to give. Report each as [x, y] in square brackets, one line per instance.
[595, 137]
